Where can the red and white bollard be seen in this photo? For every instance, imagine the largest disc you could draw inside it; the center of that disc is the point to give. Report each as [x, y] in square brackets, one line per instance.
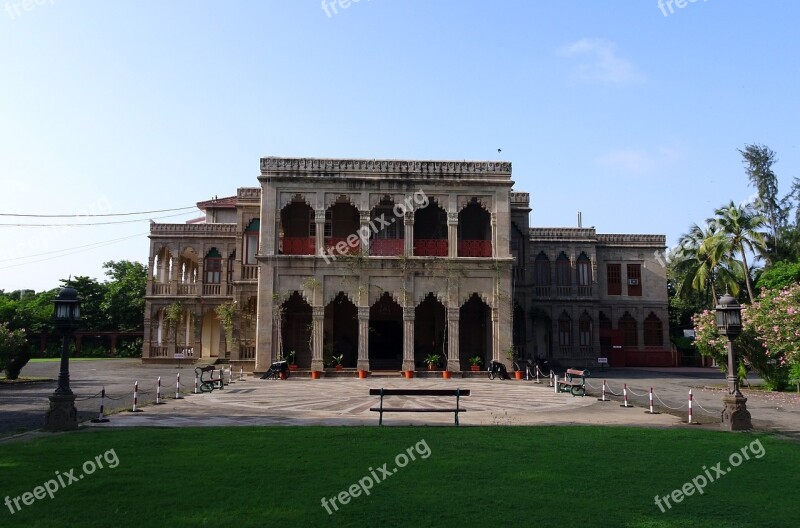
[195, 382]
[690, 406]
[241, 373]
[603, 398]
[158, 391]
[625, 397]
[555, 383]
[101, 418]
[651, 411]
[178, 387]
[135, 397]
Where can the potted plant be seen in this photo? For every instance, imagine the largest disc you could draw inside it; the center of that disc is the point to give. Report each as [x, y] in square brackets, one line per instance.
[475, 363]
[433, 361]
[291, 358]
[512, 356]
[337, 361]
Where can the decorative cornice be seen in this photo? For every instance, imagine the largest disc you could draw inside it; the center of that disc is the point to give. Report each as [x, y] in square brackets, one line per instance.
[248, 194]
[659, 241]
[193, 229]
[329, 167]
[562, 233]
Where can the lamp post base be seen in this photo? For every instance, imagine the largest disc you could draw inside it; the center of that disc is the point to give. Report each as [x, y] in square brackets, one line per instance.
[62, 416]
[735, 416]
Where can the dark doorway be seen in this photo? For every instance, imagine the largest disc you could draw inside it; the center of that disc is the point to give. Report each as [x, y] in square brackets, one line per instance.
[385, 334]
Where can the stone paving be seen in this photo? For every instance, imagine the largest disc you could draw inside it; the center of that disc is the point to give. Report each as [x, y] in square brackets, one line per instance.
[345, 401]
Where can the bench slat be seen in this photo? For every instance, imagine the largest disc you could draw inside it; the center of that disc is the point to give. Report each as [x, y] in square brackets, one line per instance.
[414, 410]
[419, 392]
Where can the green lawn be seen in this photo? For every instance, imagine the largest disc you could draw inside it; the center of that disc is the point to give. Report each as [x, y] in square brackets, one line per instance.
[473, 476]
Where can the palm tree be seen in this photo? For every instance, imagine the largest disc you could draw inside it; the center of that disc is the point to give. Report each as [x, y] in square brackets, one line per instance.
[704, 261]
[740, 225]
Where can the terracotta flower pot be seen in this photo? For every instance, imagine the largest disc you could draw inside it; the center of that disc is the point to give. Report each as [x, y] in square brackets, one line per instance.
[409, 374]
[475, 368]
[446, 374]
[315, 374]
[362, 374]
[282, 375]
[339, 367]
[293, 367]
[431, 366]
[519, 374]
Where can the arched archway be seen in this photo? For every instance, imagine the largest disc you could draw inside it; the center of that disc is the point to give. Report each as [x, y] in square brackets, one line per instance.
[475, 330]
[298, 229]
[474, 231]
[430, 231]
[386, 334]
[429, 329]
[211, 334]
[340, 336]
[296, 329]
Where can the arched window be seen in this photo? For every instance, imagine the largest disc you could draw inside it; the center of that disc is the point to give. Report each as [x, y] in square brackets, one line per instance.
[564, 330]
[585, 330]
[212, 267]
[629, 331]
[653, 331]
[583, 272]
[250, 241]
[229, 270]
[542, 266]
[563, 275]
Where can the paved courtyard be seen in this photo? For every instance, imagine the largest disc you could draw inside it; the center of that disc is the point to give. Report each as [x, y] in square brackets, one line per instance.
[345, 401]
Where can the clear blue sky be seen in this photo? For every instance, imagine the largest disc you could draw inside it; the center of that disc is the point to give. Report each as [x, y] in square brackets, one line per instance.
[610, 108]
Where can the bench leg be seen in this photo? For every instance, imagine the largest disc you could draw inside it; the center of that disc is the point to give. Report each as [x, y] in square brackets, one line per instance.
[456, 413]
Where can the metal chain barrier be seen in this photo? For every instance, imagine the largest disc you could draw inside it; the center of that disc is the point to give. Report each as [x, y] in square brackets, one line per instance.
[634, 393]
[667, 406]
[89, 398]
[706, 410]
[608, 388]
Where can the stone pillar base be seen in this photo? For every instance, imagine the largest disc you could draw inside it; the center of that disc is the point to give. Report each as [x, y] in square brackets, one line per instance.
[363, 364]
[62, 416]
[735, 416]
[454, 365]
[408, 364]
[318, 365]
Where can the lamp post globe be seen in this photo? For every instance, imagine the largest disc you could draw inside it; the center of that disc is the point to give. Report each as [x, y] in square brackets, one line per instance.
[62, 415]
[735, 416]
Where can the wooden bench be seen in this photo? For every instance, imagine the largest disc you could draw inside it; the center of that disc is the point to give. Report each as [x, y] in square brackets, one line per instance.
[571, 384]
[458, 393]
[209, 384]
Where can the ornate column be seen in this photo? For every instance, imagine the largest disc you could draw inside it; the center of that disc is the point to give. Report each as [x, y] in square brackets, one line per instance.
[408, 338]
[452, 235]
[319, 222]
[363, 338]
[453, 316]
[318, 321]
[493, 224]
[364, 228]
[150, 261]
[497, 354]
[174, 272]
[408, 240]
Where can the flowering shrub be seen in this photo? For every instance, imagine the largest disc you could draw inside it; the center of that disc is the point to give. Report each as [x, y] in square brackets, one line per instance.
[14, 353]
[770, 339]
[775, 316]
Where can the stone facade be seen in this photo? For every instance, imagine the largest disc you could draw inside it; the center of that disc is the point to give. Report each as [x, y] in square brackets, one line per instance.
[383, 263]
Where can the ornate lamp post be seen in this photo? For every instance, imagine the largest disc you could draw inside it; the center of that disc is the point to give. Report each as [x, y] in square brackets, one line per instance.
[735, 416]
[62, 415]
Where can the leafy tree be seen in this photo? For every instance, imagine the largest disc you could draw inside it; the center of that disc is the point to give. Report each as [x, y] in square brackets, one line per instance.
[758, 161]
[740, 225]
[704, 262]
[91, 294]
[779, 275]
[123, 300]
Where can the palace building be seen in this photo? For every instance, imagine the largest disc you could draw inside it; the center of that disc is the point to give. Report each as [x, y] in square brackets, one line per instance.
[385, 262]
